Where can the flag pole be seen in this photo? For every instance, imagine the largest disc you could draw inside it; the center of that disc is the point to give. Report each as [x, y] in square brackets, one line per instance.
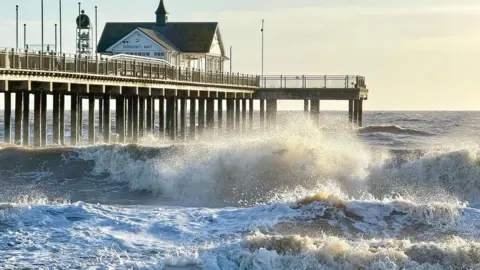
[262, 44]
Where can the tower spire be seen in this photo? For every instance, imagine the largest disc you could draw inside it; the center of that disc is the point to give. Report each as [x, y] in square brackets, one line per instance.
[161, 13]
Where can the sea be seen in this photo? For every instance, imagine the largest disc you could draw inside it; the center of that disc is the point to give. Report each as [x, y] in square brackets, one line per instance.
[403, 192]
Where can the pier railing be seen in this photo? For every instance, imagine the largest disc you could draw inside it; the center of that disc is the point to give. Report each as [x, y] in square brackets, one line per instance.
[313, 81]
[136, 68]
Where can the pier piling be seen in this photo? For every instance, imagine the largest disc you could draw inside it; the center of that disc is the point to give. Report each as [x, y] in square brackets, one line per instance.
[56, 119]
[73, 118]
[193, 124]
[91, 119]
[7, 117]
[26, 118]
[18, 117]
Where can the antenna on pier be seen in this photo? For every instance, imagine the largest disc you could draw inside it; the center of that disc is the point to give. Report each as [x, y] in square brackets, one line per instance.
[84, 35]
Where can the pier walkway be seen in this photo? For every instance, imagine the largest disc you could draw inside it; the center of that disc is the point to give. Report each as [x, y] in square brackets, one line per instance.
[136, 83]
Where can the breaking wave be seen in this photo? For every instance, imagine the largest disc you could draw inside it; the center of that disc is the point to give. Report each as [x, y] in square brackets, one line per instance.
[394, 130]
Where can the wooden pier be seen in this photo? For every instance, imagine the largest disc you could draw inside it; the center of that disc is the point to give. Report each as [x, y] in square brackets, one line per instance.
[136, 85]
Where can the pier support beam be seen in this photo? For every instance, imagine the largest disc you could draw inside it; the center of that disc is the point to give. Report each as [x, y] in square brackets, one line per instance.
[238, 112]
[106, 118]
[230, 113]
[120, 116]
[134, 118]
[91, 119]
[171, 117]
[193, 125]
[201, 115]
[161, 116]
[262, 114]
[244, 115]
[149, 114]
[271, 114]
[37, 119]
[350, 111]
[44, 120]
[210, 113]
[73, 118]
[250, 114]
[183, 118]
[141, 122]
[7, 113]
[56, 119]
[100, 115]
[62, 119]
[26, 118]
[315, 111]
[306, 107]
[80, 119]
[360, 113]
[220, 114]
[355, 113]
[18, 117]
[130, 118]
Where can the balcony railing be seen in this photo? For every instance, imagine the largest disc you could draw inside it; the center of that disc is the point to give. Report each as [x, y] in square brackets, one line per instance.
[313, 81]
[136, 68]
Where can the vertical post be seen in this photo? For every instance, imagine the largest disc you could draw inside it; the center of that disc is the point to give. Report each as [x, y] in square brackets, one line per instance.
[25, 36]
[60, 11]
[262, 114]
[244, 115]
[55, 38]
[250, 114]
[37, 118]
[73, 118]
[210, 113]
[62, 119]
[130, 117]
[201, 115]
[360, 113]
[16, 24]
[350, 111]
[141, 123]
[355, 113]
[306, 107]
[135, 118]
[315, 110]
[161, 116]
[120, 115]
[41, 55]
[106, 118]
[18, 117]
[26, 118]
[171, 119]
[96, 30]
[7, 116]
[237, 115]
[220, 114]
[183, 118]
[271, 113]
[193, 124]
[100, 115]
[262, 43]
[149, 114]
[56, 118]
[80, 118]
[44, 120]
[91, 119]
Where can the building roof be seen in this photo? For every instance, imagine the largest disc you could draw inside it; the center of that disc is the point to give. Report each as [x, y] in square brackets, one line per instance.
[189, 37]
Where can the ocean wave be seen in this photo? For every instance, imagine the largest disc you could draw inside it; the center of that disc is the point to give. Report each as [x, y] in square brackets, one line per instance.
[282, 252]
[393, 129]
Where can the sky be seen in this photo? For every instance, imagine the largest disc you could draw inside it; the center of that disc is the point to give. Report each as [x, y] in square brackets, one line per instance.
[415, 54]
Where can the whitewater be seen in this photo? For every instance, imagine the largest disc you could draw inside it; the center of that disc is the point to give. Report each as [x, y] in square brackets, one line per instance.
[401, 193]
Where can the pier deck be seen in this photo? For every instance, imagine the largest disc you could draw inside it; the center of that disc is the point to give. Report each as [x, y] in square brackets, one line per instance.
[137, 84]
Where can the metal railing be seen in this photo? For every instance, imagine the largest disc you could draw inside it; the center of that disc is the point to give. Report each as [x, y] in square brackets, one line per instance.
[313, 81]
[136, 68]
